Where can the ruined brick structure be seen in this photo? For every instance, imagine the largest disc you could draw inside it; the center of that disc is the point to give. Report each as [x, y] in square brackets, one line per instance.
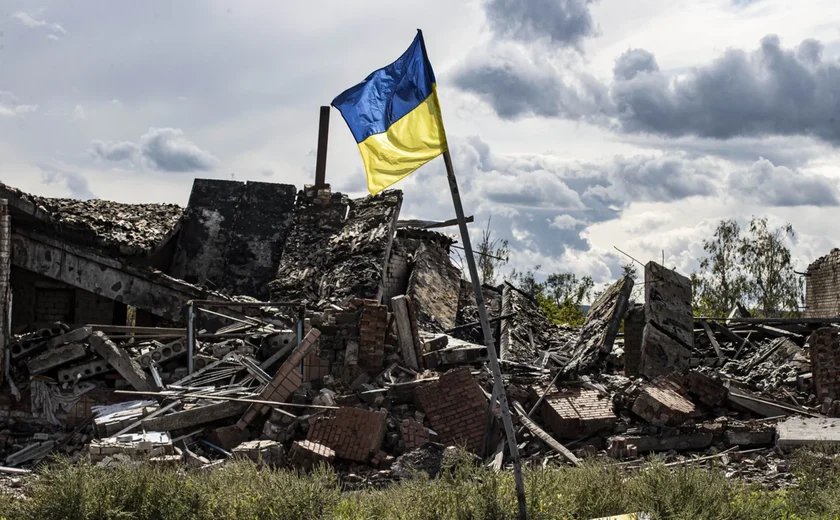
[352, 433]
[576, 412]
[825, 362]
[662, 403]
[456, 409]
[822, 287]
[413, 434]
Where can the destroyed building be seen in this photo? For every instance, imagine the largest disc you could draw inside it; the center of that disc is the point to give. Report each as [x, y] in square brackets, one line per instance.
[298, 327]
[822, 287]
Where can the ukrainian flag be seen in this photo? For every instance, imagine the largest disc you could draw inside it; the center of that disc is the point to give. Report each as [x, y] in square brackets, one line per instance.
[394, 115]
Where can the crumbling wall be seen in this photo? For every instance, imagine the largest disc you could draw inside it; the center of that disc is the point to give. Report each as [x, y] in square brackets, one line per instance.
[668, 337]
[434, 287]
[601, 326]
[528, 329]
[330, 258]
[634, 326]
[822, 287]
[397, 271]
[233, 234]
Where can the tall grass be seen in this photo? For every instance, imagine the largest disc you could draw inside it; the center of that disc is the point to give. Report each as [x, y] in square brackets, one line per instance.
[240, 490]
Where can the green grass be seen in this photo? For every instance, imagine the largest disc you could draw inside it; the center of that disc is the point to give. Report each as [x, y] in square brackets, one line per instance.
[239, 490]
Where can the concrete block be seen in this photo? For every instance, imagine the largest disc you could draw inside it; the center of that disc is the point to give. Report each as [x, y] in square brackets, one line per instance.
[119, 359]
[679, 442]
[162, 353]
[270, 453]
[661, 404]
[195, 416]
[84, 371]
[801, 431]
[75, 336]
[52, 359]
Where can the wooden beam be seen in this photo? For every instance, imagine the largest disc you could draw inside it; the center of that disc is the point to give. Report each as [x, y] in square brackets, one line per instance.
[712, 340]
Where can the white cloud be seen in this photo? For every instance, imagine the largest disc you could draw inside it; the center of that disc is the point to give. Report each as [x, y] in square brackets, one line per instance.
[10, 106]
[79, 113]
[31, 22]
[565, 222]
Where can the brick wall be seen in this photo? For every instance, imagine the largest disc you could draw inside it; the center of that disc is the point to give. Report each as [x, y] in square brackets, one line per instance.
[373, 328]
[397, 271]
[37, 298]
[661, 403]
[354, 434]
[576, 412]
[457, 409]
[413, 434]
[285, 382]
[822, 287]
[825, 362]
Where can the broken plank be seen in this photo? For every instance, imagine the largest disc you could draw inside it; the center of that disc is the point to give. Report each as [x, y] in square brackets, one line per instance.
[773, 331]
[405, 334]
[712, 340]
[544, 436]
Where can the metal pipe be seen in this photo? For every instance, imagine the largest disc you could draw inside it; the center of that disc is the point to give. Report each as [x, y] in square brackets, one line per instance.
[190, 336]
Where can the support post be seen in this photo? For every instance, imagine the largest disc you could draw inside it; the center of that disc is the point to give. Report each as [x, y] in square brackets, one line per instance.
[190, 336]
[499, 387]
[321, 158]
[5, 285]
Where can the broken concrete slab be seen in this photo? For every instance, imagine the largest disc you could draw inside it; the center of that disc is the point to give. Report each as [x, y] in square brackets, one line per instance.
[33, 452]
[434, 287]
[634, 327]
[668, 337]
[74, 336]
[405, 333]
[687, 441]
[800, 431]
[122, 363]
[195, 416]
[600, 328]
[52, 359]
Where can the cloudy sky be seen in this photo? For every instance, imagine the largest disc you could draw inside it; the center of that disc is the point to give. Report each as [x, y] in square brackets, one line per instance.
[579, 125]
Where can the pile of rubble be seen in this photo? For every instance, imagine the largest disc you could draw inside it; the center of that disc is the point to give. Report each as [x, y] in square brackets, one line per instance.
[370, 357]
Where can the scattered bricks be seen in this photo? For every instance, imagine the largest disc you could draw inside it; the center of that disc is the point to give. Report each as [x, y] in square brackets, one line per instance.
[709, 390]
[75, 336]
[746, 436]
[382, 460]
[270, 453]
[162, 353]
[286, 381]
[373, 327]
[315, 368]
[825, 362]
[456, 408]
[354, 434]
[55, 358]
[576, 413]
[118, 358]
[661, 404]
[146, 444]
[414, 434]
[306, 454]
[84, 371]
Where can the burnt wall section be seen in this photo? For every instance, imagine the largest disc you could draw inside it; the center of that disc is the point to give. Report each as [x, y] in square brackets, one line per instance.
[83, 268]
[822, 287]
[233, 234]
[41, 300]
[328, 257]
[668, 337]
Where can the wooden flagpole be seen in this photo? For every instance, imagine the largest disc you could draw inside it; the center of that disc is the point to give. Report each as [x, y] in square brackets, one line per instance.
[488, 338]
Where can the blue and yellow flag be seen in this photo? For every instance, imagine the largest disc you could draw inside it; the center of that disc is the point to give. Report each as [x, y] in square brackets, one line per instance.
[394, 115]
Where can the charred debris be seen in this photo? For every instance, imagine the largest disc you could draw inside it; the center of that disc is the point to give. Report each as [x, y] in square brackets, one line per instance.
[294, 328]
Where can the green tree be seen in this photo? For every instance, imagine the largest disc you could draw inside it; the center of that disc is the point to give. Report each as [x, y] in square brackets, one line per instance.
[774, 288]
[755, 270]
[526, 281]
[493, 253]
